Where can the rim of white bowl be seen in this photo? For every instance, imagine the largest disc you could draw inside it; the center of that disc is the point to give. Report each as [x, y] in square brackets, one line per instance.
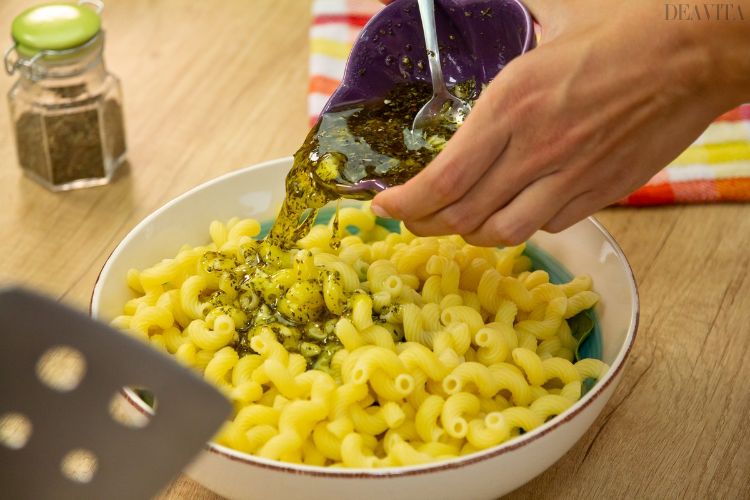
[455, 463]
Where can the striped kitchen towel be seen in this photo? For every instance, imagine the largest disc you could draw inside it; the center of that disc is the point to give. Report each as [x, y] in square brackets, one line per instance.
[715, 168]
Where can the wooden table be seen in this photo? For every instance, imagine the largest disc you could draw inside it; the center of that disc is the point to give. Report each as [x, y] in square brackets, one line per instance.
[214, 86]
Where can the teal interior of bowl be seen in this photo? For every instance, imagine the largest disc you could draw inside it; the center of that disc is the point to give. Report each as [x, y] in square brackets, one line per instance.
[591, 347]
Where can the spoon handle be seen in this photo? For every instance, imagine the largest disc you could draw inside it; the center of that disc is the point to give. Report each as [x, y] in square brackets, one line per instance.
[427, 14]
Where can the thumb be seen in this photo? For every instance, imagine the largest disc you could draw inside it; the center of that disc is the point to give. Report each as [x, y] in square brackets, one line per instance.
[549, 15]
[536, 7]
[544, 11]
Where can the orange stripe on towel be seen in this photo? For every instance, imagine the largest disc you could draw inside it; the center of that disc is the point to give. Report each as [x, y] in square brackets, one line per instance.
[322, 84]
[737, 189]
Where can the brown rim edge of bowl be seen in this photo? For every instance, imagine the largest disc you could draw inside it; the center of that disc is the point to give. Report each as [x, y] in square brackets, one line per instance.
[96, 282]
[438, 467]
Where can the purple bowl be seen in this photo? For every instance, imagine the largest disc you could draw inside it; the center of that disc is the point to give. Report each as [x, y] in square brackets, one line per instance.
[477, 39]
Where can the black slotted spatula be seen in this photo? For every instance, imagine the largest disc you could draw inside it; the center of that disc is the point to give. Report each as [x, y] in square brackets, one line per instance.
[58, 438]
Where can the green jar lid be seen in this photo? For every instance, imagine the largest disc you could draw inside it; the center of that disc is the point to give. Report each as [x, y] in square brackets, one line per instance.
[54, 26]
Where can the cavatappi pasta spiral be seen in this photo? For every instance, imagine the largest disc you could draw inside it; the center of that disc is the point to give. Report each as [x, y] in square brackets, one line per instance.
[389, 350]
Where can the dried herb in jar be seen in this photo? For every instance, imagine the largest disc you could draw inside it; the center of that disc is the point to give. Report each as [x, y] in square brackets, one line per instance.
[77, 142]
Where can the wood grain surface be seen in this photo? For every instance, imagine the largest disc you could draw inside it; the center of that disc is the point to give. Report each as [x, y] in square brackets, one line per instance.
[214, 86]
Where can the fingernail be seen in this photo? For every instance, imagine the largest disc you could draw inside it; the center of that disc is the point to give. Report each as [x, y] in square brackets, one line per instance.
[380, 211]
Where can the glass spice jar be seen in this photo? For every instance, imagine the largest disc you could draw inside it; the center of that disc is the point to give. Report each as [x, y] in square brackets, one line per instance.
[65, 106]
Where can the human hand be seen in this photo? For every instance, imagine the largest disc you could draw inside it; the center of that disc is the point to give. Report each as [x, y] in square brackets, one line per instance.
[612, 95]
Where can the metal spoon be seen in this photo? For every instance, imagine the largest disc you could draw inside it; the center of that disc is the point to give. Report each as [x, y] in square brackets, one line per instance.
[443, 106]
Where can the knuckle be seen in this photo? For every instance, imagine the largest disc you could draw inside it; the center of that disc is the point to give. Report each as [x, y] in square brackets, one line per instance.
[474, 239]
[510, 240]
[541, 161]
[418, 229]
[445, 183]
[512, 81]
[556, 225]
[454, 221]
[511, 232]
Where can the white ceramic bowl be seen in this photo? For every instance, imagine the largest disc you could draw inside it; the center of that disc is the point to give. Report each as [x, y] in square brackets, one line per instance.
[257, 192]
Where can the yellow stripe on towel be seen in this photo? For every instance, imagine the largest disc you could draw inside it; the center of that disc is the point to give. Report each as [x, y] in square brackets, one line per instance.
[714, 153]
[331, 48]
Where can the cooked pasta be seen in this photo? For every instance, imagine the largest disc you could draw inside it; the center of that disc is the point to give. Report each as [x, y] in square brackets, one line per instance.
[381, 350]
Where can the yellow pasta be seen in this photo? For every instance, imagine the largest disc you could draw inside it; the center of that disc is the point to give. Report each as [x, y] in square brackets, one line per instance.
[368, 420]
[455, 409]
[353, 452]
[199, 333]
[426, 418]
[416, 356]
[374, 350]
[361, 305]
[220, 365]
[471, 373]
[190, 296]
